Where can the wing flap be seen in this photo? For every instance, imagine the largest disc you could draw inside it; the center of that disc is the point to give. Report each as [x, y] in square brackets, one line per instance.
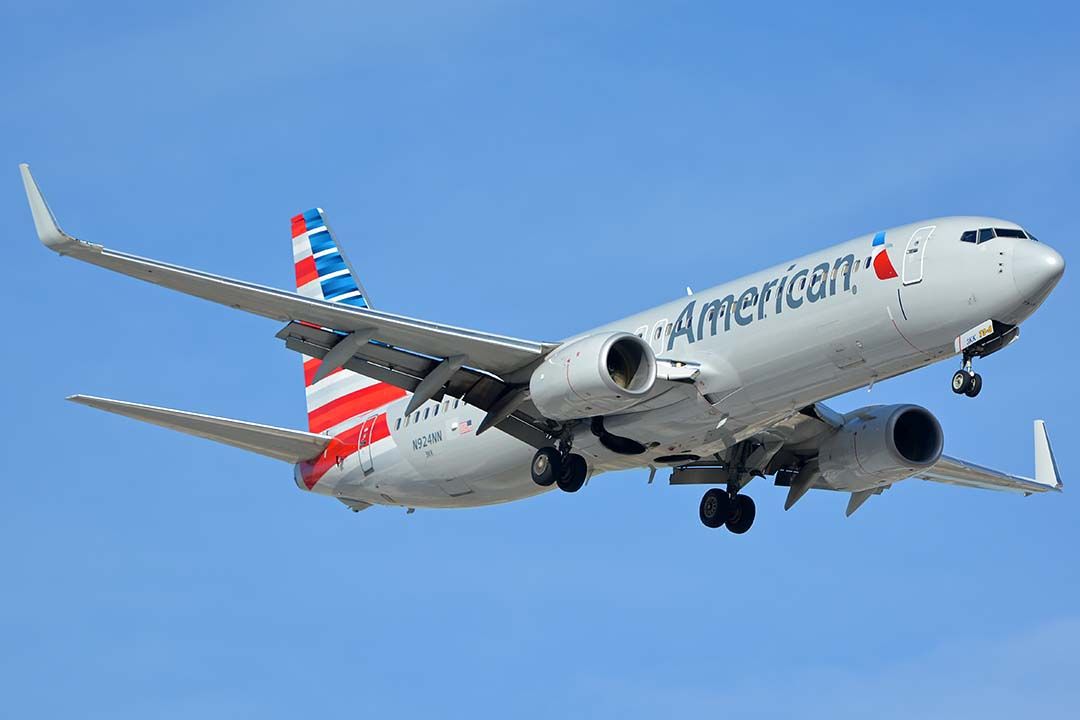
[279, 443]
[404, 369]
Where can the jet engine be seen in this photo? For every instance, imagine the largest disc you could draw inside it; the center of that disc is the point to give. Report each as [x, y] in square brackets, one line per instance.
[879, 445]
[594, 375]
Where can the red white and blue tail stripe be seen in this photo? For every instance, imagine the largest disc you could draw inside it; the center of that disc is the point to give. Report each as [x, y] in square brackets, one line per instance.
[322, 272]
[338, 404]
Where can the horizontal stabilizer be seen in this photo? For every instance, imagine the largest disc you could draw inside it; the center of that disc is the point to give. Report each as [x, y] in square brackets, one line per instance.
[280, 443]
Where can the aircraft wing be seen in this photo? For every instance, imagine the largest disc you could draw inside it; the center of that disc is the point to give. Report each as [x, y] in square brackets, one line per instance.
[495, 354]
[279, 443]
[804, 431]
[428, 359]
[954, 471]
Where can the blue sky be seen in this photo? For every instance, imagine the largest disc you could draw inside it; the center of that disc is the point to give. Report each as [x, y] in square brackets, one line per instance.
[532, 169]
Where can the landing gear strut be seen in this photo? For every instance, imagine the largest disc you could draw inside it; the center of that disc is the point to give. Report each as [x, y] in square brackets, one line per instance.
[966, 381]
[731, 510]
[567, 470]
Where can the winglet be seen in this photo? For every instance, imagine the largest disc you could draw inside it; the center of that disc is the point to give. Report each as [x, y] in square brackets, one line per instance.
[44, 222]
[1046, 470]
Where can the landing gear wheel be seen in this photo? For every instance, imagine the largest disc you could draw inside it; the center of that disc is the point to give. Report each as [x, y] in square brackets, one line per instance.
[546, 466]
[961, 382]
[742, 516]
[975, 385]
[715, 508]
[574, 472]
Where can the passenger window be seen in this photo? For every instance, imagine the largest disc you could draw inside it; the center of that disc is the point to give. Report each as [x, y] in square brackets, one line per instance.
[455, 404]
[407, 420]
[868, 262]
[659, 331]
[986, 235]
[416, 416]
[968, 236]
[711, 314]
[436, 412]
[446, 405]
[398, 425]
[427, 411]
[669, 328]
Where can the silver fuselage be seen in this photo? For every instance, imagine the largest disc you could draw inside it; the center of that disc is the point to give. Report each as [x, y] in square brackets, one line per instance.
[768, 344]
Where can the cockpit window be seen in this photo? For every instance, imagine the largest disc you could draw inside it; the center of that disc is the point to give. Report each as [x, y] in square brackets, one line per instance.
[987, 234]
[1009, 232]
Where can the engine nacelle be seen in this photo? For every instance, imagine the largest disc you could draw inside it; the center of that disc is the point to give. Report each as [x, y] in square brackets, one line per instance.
[594, 375]
[879, 445]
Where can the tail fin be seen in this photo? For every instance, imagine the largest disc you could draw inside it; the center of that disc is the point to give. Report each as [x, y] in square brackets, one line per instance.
[339, 401]
[322, 271]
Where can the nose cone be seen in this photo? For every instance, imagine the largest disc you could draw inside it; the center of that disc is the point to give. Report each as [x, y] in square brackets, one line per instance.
[1036, 270]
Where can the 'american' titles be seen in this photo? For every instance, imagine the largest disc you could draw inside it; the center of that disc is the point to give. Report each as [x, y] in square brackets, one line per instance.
[754, 303]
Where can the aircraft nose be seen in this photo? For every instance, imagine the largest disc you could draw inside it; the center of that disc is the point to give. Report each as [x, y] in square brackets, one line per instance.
[1036, 269]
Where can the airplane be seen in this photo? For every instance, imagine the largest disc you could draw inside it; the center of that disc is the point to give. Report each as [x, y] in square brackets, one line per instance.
[719, 387]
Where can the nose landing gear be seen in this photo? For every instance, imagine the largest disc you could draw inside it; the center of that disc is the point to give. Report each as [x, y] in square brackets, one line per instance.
[721, 508]
[966, 381]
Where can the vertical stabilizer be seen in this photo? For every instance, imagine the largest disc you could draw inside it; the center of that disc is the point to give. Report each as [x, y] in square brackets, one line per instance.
[338, 402]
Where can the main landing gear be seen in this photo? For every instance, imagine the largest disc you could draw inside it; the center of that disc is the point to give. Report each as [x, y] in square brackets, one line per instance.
[966, 381]
[733, 511]
[565, 469]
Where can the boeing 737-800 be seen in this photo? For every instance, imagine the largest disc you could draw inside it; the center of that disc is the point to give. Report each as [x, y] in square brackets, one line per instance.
[720, 386]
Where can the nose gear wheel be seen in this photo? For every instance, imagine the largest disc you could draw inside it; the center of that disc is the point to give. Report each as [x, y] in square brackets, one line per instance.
[966, 381]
